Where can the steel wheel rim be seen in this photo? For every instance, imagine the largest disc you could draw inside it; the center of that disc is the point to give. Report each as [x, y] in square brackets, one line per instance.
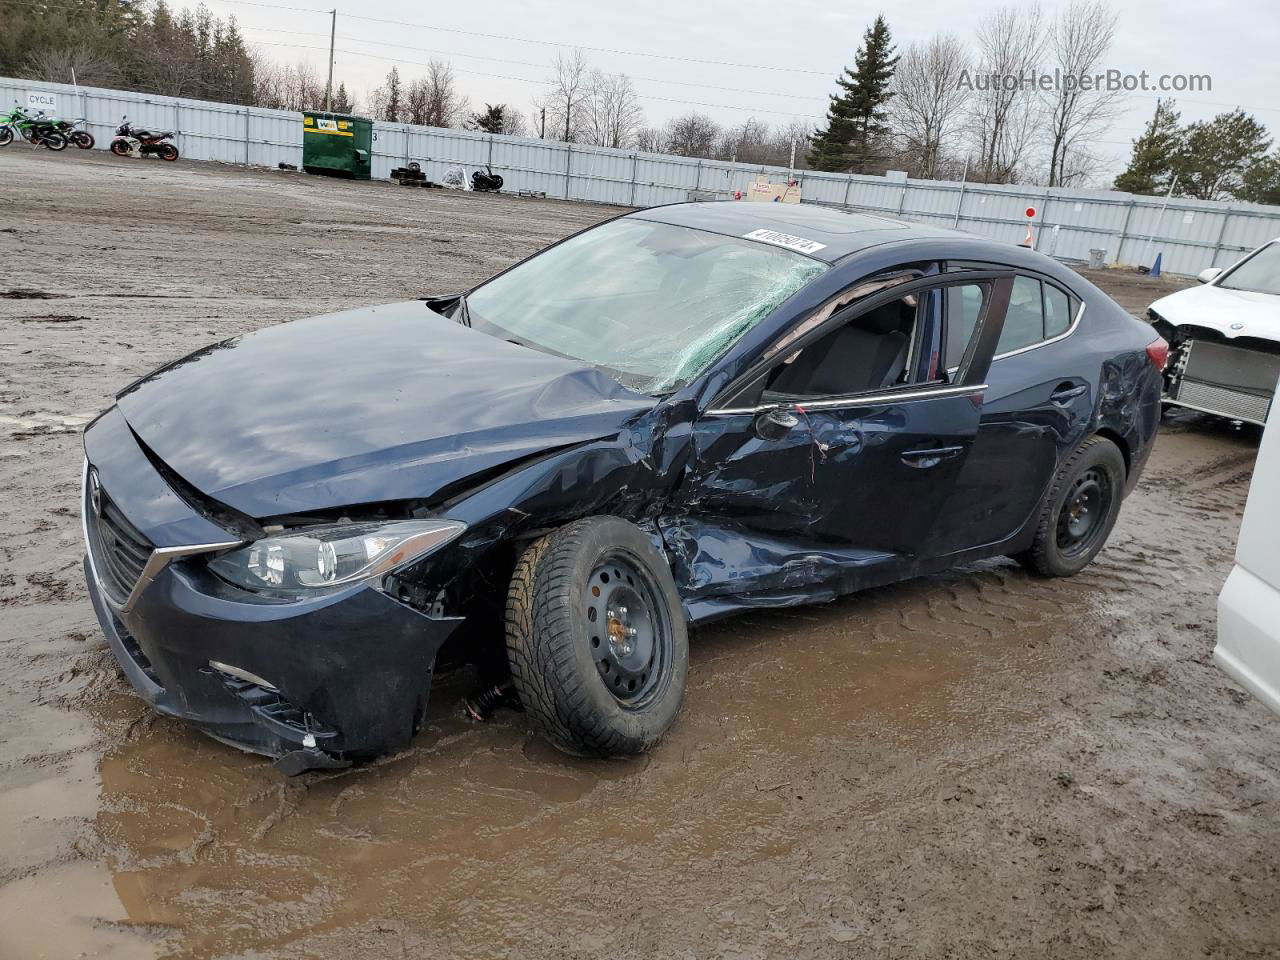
[1083, 512]
[628, 630]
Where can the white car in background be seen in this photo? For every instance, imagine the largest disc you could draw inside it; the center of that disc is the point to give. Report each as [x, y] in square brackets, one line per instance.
[1224, 338]
[1249, 606]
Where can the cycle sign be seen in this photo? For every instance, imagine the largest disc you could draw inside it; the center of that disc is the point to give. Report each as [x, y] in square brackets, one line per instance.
[48, 102]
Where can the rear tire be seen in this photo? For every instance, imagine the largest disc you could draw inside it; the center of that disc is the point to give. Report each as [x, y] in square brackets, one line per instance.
[168, 151]
[596, 638]
[53, 141]
[6, 136]
[1078, 511]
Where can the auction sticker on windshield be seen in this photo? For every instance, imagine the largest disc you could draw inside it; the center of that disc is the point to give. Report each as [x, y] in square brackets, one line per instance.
[785, 240]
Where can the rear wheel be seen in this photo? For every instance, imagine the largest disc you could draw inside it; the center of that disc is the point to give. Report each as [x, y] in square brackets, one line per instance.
[168, 151]
[596, 638]
[1078, 511]
[6, 136]
[53, 141]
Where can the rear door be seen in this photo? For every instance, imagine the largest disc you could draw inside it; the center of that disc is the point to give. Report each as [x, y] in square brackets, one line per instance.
[796, 488]
[1037, 407]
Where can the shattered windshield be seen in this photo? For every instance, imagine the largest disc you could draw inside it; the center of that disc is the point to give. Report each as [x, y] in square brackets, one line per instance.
[650, 303]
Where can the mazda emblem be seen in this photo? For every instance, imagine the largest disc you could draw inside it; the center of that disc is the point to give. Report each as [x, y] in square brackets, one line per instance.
[95, 493]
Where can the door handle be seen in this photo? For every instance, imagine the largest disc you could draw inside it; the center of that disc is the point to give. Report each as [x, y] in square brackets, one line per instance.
[930, 457]
[1064, 393]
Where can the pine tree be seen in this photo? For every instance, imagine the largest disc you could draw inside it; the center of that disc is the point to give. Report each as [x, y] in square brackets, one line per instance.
[1213, 156]
[391, 109]
[1150, 169]
[1261, 181]
[856, 118]
[491, 119]
[342, 100]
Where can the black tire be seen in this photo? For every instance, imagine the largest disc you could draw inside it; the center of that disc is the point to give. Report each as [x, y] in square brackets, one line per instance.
[53, 141]
[589, 688]
[168, 151]
[1078, 511]
[6, 136]
[120, 148]
[83, 140]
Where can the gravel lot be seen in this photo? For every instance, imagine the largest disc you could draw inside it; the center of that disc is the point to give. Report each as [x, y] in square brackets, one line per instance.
[970, 765]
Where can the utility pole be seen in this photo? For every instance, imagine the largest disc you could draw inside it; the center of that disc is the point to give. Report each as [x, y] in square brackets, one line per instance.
[328, 87]
[542, 135]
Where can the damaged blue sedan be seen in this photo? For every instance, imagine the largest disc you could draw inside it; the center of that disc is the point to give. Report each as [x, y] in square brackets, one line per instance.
[678, 414]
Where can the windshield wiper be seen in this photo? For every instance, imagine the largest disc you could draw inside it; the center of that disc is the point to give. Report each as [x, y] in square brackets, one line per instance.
[464, 311]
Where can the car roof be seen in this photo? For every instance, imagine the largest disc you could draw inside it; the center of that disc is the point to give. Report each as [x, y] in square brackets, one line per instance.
[841, 232]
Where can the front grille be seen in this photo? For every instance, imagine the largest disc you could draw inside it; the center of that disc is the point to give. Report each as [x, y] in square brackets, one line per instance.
[1220, 400]
[120, 551]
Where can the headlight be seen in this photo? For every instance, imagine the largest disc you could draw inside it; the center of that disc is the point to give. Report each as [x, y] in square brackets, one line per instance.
[317, 558]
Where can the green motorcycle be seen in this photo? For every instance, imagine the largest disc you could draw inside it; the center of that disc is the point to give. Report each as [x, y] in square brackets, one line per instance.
[36, 130]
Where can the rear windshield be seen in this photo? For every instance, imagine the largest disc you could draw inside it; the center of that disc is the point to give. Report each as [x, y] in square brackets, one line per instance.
[650, 303]
[1260, 273]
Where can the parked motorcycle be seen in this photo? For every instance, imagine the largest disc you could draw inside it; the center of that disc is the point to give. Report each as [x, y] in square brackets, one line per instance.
[142, 143]
[71, 129]
[36, 130]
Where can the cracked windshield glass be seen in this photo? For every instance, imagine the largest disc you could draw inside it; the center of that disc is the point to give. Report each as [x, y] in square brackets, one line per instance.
[650, 303]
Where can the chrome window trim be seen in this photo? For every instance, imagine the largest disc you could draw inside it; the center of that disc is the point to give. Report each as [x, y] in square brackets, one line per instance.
[862, 400]
[1044, 343]
[159, 559]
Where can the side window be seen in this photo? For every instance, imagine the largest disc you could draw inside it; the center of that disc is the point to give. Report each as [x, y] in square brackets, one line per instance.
[1024, 320]
[964, 309]
[872, 351]
[1057, 311]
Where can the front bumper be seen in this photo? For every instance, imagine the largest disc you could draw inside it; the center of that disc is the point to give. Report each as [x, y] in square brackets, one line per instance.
[347, 675]
[314, 682]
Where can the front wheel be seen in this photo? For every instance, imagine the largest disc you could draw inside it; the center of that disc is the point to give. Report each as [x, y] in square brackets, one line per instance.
[596, 638]
[1078, 511]
[83, 140]
[120, 148]
[53, 141]
[168, 151]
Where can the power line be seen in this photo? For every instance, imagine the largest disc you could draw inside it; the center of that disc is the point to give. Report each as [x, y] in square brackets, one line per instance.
[545, 43]
[501, 76]
[540, 66]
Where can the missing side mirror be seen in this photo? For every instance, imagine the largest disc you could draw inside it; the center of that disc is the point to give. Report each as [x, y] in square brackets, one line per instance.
[775, 423]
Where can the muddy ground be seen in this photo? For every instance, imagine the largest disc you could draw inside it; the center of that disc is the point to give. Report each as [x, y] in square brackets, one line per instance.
[971, 765]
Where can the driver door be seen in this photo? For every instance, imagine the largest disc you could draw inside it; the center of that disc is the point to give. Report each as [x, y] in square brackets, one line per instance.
[825, 467]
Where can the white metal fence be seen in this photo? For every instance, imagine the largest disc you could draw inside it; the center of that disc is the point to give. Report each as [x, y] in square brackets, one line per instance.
[1069, 223]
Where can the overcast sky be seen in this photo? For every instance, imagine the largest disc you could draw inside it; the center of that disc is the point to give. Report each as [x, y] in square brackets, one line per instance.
[1234, 43]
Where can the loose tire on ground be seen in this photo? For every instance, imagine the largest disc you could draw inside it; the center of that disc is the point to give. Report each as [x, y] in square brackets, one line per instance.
[1078, 511]
[596, 638]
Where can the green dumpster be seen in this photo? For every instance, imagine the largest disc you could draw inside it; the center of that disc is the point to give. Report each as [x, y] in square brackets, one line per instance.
[337, 145]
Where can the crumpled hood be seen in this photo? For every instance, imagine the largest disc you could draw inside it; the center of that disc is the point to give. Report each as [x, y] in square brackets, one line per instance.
[1219, 308]
[380, 403]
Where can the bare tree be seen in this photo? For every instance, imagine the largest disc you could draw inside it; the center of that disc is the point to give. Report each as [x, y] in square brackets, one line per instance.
[283, 87]
[693, 135]
[928, 100]
[746, 143]
[651, 140]
[513, 123]
[612, 113]
[78, 63]
[1010, 43]
[434, 100]
[565, 99]
[1076, 112]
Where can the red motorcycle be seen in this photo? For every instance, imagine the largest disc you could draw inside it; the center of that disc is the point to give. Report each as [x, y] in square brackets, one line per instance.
[141, 143]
